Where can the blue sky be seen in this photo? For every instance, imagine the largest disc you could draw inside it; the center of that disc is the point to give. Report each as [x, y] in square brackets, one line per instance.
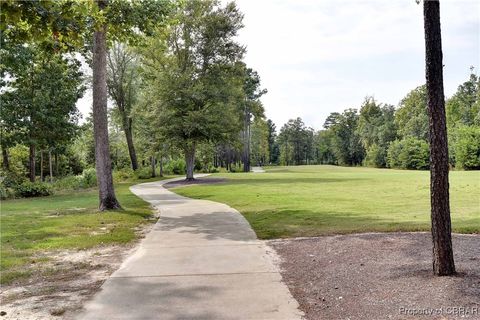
[320, 56]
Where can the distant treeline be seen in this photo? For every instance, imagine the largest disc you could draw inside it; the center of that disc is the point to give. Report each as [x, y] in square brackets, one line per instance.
[380, 135]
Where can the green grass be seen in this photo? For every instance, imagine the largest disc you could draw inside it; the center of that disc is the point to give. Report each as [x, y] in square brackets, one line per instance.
[320, 200]
[65, 221]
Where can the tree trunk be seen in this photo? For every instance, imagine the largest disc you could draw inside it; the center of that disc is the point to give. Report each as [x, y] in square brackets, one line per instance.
[161, 166]
[32, 162]
[127, 128]
[286, 152]
[50, 165]
[41, 167]
[249, 138]
[443, 263]
[100, 121]
[5, 160]
[190, 161]
[152, 162]
[56, 164]
[246, 141]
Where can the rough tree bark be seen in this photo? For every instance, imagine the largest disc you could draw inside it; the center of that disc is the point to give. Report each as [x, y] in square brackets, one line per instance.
[41, 167]
[443, 263]
[152, 162]
[100, 121]
[161, 166]
[190, 161]
[119, 63]
[56, 163]
[5, 161]
[246, 140]
[127, 128]
[31, 163]
[50, 166]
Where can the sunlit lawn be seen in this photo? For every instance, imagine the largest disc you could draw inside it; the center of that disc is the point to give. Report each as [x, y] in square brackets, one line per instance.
[318, 200]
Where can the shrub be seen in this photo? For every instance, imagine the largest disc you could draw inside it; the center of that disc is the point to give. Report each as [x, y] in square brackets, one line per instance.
[175, 167]
[209, 169]
[376, 157]
[19, 158]
[69, 183]
[11, 179]
[467, 148]
[236, 168]
[123, 174]
[89, 178]
[409, 153]
[144, 173]
[33, 189]
[393, 154]
[6, 193]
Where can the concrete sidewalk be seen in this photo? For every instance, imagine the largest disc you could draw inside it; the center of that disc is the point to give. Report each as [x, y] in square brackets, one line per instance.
[201, 261]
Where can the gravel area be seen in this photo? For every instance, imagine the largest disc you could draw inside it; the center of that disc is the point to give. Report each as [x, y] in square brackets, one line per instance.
[58, 288]
[380, 276]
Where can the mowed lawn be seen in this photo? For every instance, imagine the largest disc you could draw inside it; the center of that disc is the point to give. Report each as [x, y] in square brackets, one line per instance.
[30, 227]
[320, 200]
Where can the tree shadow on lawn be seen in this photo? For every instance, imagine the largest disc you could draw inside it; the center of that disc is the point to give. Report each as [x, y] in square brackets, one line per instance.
[270, 224]
[291, 180]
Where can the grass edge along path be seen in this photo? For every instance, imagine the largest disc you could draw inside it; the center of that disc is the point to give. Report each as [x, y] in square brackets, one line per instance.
[304, 201]
[30, 228]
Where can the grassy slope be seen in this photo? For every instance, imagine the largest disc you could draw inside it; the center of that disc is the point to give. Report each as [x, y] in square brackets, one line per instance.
[65, 221]
[318, 200]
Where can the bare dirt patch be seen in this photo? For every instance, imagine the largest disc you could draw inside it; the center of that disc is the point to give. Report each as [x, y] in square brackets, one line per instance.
[380, 276]
[62, 282]
[182, 183]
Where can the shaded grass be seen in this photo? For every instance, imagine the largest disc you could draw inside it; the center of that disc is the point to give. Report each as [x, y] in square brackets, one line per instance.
[70, 220]
[320, 200]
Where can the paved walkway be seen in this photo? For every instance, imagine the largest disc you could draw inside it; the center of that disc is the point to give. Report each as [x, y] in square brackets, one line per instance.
[201, 261]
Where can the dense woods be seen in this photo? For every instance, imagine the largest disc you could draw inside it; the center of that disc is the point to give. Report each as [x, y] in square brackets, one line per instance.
[384, 136]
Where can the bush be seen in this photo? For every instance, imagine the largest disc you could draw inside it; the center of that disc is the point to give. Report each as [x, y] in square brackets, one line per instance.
[19, 158]
[33, 189]
[69, 183]
[467, 148]
[175, 167]
[236, 168]
[11, 179]
[376, 157]
[210, 169]
[89, 178]
[409, 153]
[6, 193]
[123, 174]
[144, 173]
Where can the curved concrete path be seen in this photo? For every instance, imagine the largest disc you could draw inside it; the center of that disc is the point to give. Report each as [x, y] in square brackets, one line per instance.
[201, 261]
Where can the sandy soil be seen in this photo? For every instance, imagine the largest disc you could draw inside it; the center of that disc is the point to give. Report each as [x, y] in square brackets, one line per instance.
[181, 183]
[380, 276]
[68, 279]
